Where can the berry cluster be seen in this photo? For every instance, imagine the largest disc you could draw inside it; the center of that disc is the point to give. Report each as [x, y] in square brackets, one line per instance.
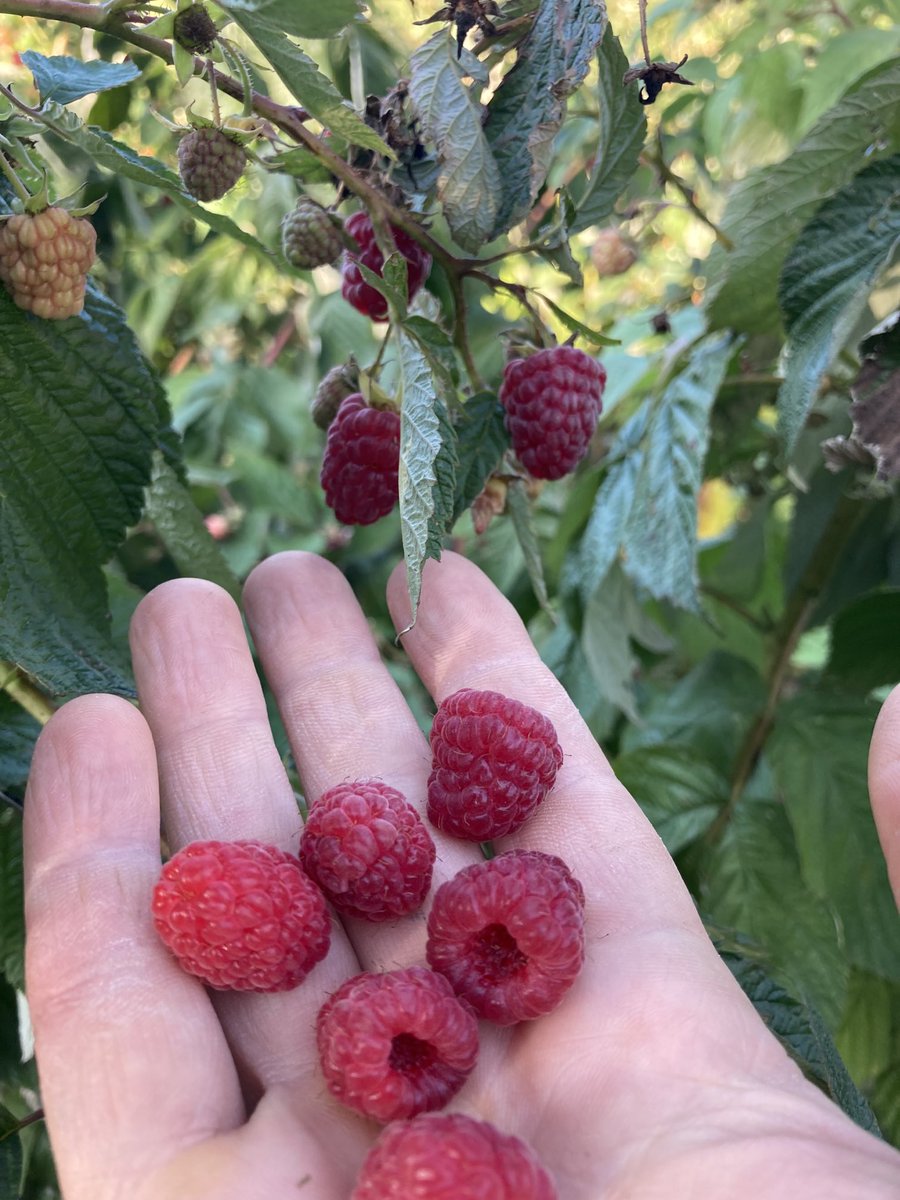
[505, 941]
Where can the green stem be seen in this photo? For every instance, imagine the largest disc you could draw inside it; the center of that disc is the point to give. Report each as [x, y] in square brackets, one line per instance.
[15, 182]
[19, 688]
[787, 633]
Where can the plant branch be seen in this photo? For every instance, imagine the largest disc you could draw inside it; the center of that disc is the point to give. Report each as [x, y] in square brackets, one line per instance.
[787, 633]
[20, 688]
[642, 6]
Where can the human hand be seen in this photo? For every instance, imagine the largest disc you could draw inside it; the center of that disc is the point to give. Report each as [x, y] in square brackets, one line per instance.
[654, 1079]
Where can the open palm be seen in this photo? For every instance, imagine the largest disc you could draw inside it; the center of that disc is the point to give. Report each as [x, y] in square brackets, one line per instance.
[654, 1078]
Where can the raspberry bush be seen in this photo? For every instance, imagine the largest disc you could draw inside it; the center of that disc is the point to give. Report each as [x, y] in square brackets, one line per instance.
[644, 378]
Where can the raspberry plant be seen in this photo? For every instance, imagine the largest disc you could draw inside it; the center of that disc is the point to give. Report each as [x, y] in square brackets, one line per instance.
[720, 253]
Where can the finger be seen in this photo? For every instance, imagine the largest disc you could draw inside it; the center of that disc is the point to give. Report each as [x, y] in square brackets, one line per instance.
[884, 784]
[468, 635]
[221, 778]
[133, 1064]
[344, 714]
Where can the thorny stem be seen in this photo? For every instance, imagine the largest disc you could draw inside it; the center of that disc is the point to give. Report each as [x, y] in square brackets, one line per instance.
[787, 633]
[642, 7]
[461, 331]
[214, 93]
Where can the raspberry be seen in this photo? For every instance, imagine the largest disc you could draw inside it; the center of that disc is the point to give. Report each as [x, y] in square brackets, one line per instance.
[195, 30]
[339, 383]
[210, 163]
[611, 253]
[494, 761]
[397, 1044]
[354, 288]
[241, 915]
[509, 935]
[367, 849]
[361, 463]
[309, 236]
[44, 261]
[552, 401]
[448, 1156]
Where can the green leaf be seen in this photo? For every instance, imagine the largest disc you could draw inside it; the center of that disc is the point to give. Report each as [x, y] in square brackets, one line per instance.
[826, 281]
[297, 18]
[427, 462]
[802, 1032]
[301, 76]
[528, 107]
[437, 345]
[865, 649]
[105, 152]
[677, 788]
[864, 1038]
[469, 185]
[753, 885]
[180, 525]
[18, 733]
[481, 442]
[646, 508]
[622, 131]
[65, 79]
[519, 508]
[10, 1156]
[606, 642]
[395, 298]
[12, 912]
[768, 208]
[575, 326]
[709, 710]
[818, 751]
[82, 413]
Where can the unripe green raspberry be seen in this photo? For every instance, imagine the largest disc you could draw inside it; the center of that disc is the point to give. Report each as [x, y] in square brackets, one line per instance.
[195, 30]
[339, 383]
[310, 237]
[210, 163]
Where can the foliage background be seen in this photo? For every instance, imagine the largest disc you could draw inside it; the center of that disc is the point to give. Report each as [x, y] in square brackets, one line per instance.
[736, 698]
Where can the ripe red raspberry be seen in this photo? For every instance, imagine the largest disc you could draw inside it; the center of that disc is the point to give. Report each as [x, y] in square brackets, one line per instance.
[397, 1044]
[241, 915]
[448, 1156]
[44, 261]
[210, 163]
[552, 401]
[354, 288]
[361, 463]
[367, 849]
[310, 236]
[509, 935]
[494, 761]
